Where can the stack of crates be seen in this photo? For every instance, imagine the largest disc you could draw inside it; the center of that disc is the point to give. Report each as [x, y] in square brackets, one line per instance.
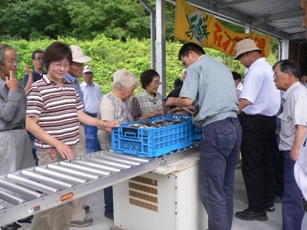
[152, 142]
[32, 138]
[92, 143]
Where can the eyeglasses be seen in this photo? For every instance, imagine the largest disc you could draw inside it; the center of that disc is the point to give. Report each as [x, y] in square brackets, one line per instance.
[59, 65]
[277, 74]
[39, 59]
[156, 82]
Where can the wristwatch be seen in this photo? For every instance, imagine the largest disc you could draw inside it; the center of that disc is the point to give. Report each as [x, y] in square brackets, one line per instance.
[104, 124]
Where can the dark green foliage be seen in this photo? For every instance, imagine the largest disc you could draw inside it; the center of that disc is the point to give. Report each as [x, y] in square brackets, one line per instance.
[116, 34]
[110, 55]
[117, 19]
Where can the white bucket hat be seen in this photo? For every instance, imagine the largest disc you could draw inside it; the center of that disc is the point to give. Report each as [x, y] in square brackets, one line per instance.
[78, 55]
[244, 46]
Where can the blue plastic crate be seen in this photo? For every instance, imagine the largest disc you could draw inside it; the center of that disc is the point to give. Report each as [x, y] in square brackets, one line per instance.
[92, 144]
[151, 142]
[90, 130]
[196, 133]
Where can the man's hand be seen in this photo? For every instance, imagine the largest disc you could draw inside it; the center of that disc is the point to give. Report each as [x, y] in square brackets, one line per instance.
[11, 82]
[27, 69]
[294, 154]
[170, 101]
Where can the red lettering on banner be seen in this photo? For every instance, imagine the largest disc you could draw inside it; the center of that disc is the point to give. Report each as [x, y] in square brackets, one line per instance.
[233, 48]
[226, 44]
[217, 38]
[237, 39]
[260, 42]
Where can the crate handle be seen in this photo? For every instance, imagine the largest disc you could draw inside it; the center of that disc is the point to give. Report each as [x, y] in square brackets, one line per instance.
[129, 134]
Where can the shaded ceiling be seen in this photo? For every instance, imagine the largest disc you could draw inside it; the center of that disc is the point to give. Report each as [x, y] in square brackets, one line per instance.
[279, 18]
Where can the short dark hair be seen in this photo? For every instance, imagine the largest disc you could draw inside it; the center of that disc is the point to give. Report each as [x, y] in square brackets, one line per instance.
[3, 49]
[57, 51]
[236, 75]
[190, 46]
[35, 52]
[178, 82]
[289, 66]
[147, 76]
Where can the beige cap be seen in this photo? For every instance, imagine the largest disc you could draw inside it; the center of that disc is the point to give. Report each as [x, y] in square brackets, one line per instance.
[78, 55]
[244, 46]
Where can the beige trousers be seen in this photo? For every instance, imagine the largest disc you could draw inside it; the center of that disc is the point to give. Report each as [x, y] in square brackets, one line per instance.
[55, 218]
[79, 213]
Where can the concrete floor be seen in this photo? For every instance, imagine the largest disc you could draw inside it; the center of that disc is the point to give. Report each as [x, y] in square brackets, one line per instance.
[274, 222]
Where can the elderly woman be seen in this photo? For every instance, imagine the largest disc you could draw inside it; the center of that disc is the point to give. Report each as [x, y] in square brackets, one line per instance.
[114, 106]
[150, 100]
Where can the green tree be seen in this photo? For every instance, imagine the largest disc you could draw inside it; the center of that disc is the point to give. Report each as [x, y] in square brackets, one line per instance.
[117, 19]
[23, 19]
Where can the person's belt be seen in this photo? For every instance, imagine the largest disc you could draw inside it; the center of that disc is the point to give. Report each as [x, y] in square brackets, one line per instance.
[21, 126]
[256, 115]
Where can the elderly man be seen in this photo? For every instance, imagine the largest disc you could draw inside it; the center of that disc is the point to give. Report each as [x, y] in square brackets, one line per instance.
[293, 129]
[209, 83]
[259, 102]
[91, 92]
[79, 218]
[16, 149]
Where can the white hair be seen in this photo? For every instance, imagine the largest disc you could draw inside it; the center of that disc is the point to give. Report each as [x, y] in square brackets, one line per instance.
[123, 78]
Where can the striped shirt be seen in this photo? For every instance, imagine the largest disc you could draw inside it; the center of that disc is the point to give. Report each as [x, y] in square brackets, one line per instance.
[56, 108]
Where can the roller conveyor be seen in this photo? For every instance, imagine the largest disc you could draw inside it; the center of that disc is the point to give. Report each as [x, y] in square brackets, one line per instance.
[32, 190]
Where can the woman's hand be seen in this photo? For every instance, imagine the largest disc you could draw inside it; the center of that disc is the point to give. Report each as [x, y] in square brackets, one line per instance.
[157, 112]
[64, 150]
[109, 125]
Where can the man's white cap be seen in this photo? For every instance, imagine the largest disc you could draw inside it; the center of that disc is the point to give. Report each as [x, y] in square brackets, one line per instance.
[78, 55]
[88, 69]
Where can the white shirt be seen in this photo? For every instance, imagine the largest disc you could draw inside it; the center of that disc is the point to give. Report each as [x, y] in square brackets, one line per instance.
[259, 88]
[294, 113]
[91, 95]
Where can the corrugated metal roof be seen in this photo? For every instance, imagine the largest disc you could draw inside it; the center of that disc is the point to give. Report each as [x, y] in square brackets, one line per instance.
[279, 18]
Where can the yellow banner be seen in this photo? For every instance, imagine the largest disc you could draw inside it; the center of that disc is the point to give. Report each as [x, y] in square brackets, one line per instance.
[192, 25]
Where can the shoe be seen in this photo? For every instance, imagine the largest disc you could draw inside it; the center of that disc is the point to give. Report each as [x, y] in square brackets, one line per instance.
[86, 208]
[109, 215]
[27, 220]
[81, 223]
[269, 206]
[249, 215]
[12, 226]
